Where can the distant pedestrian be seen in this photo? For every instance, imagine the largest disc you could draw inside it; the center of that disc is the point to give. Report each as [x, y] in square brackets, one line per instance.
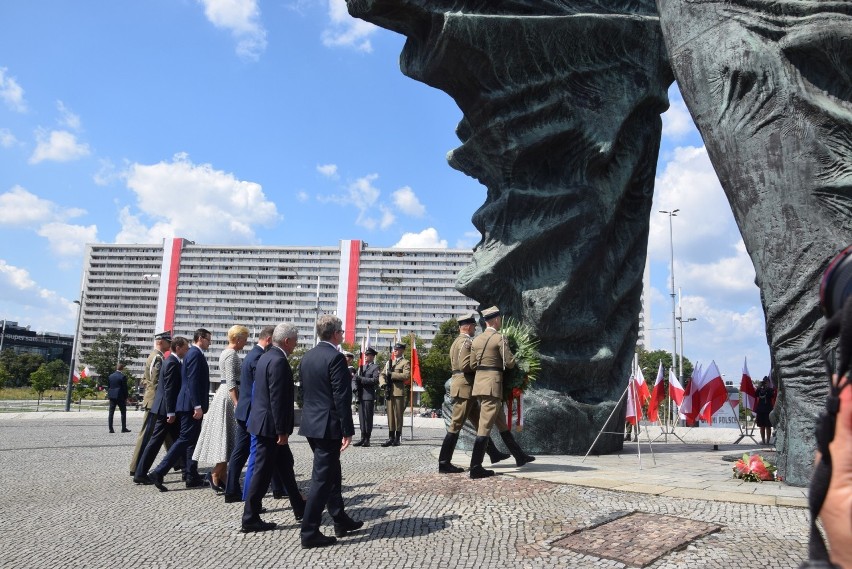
[763, 409]
[117, 393]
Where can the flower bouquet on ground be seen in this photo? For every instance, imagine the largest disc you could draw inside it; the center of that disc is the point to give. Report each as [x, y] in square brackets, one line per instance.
[754, 468]
[524, 346]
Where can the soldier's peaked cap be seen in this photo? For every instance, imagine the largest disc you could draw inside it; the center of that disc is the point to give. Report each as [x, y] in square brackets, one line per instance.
[167, 336]
[467, 318]
[399, 346]
[490, 313]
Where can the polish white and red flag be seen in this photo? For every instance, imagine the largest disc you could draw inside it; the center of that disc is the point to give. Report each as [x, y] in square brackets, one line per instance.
[658, 394]
[689, 402]
[642, 391]
[676, 391]
[634, 407]
[415, 363]
[712, 393]
[78, 376]
[749, 394]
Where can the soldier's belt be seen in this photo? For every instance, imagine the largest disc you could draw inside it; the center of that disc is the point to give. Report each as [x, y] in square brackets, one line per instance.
[455, 371]
[488, 368]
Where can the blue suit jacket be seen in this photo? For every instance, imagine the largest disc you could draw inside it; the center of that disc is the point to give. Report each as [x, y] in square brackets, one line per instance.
[168, 387]
[246, 382]
[195, 388]
[272, 404]
[326, 393]
[117, 386]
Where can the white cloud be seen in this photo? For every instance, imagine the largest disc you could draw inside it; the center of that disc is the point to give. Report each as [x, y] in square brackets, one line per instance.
[107, 173]
[328, 170]
[7, 139]
[362, 194]
[20, 208]
[468, 240]
[387, 217]
[426, 239]
[68, 240]
[677, 122]
[193, 201]
[67, 118]
[59, 146]
[302, 196]
[242, 19]
[407, 202]
[346, 31]
[24, 301]
[11, 92]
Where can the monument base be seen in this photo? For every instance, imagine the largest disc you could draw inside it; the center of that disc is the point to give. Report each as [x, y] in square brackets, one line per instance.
[554, 423]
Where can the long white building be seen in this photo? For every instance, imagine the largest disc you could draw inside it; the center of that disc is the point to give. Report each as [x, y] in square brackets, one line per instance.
[181, 286]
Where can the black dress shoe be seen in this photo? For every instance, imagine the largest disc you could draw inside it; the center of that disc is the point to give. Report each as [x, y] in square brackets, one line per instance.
[125, 430]
[231, 498]
[280, 496]
[366, 443]
[142, 479]
[448, 468]
[388, 442]
[347, 526]
[157, 480]
[298, 515]
[318, 540]
[111, 431]
[359, 443]
[259, 525]
[194, 482]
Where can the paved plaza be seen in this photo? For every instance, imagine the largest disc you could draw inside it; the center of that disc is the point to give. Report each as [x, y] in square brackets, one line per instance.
[69, 502]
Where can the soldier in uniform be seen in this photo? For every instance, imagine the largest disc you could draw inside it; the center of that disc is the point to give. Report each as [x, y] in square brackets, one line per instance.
[365, 382]
[150, 375]
[490, 356]
[465, 407]
[398, 374]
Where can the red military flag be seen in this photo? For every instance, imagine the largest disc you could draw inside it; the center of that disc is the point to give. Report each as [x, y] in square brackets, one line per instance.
[415, 363]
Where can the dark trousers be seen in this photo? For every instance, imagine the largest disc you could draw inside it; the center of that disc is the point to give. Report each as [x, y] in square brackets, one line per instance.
[159, 429]
[122, 406]
[239, 456]
[184, 446]
[270, 459]
[365, 417]
[326, 486]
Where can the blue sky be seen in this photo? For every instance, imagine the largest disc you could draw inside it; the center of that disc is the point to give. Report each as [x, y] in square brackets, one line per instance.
[282, 123]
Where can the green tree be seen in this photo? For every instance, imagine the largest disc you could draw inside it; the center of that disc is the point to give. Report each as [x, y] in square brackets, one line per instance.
[85, 388]
[42, 379]
[649, 362]
[4, 376]
[103, 355]
[59, 369]
[23, 365]
[435, 367]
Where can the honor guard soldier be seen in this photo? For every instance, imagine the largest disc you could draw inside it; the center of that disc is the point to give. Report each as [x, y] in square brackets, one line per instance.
[365, 383]
[398, 376]
[490, 356]
[465, 407]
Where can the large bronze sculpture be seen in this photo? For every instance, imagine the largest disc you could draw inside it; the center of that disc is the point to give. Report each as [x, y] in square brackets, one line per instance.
[562, 104]
[769, 85]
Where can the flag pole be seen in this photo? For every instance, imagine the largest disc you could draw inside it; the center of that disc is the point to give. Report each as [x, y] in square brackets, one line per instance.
[621, 434]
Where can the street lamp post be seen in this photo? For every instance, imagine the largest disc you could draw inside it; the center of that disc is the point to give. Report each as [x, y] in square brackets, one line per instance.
[79, 304]
[682, 321]
[671, 214]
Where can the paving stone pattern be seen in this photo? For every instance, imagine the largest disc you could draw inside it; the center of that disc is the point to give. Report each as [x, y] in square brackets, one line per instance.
[68, 502]
[637, 539]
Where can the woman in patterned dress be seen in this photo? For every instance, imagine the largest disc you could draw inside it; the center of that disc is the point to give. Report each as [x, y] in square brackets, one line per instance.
[217, 430]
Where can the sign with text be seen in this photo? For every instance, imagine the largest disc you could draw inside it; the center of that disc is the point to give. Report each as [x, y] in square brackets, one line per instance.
[728, 416]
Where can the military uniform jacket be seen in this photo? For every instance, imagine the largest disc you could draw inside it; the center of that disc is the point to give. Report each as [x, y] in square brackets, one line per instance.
[150, 376]
[462, 382]
[489, 356]
[400, 375]
[366, 380]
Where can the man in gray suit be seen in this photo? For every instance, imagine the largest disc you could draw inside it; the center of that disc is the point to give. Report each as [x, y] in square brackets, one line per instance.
[327, 424]
[271, 422]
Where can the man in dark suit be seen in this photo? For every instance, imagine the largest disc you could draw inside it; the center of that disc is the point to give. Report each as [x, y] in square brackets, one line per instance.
[192, 402]
[163, 408]
[327, 424]
[117, 393]
[366, 380]
[271, 423]
[242, 443]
